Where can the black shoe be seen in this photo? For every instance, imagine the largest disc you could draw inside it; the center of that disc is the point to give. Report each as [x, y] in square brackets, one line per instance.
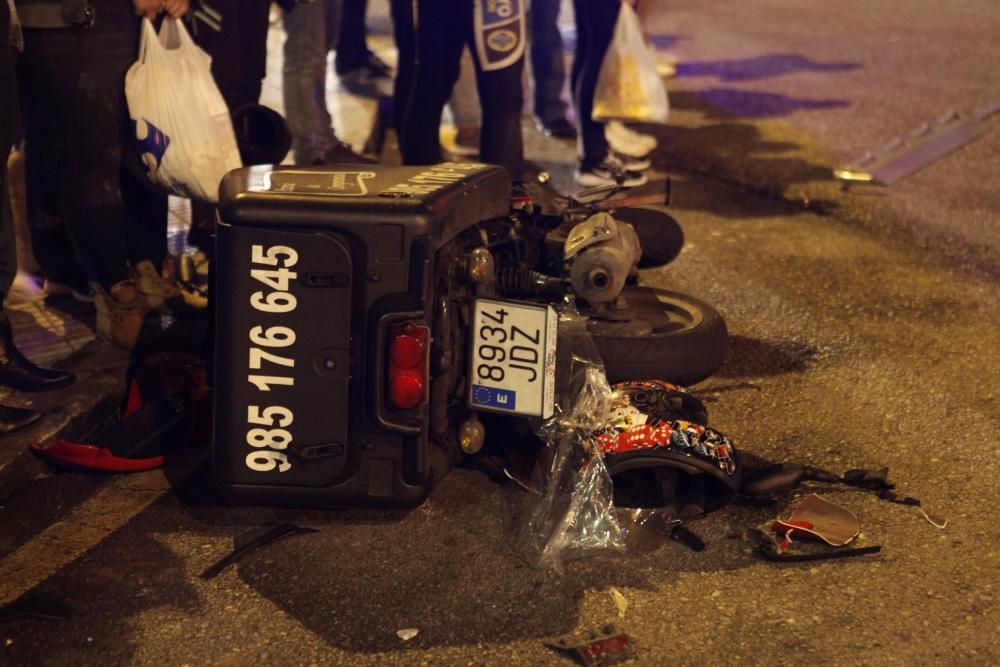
[372, 79]
[14, 419]
[17, 371]
[560, 128]
[344, 154]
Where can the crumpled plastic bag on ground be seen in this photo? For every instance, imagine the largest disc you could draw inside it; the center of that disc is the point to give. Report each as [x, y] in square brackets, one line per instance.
[573, 515]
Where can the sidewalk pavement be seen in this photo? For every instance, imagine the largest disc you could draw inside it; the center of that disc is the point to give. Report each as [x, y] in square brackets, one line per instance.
[57, 332]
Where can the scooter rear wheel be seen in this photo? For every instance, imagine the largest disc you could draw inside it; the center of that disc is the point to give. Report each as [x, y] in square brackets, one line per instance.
[670, 336]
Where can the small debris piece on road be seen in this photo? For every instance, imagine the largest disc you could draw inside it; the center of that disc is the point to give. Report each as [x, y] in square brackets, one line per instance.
[252, 542]
[620, 601]
[406, 634]
[603, 648]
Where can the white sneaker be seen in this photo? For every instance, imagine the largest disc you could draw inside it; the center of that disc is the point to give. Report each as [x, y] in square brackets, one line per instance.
[629, 163]
[609, 173]
[629, 142]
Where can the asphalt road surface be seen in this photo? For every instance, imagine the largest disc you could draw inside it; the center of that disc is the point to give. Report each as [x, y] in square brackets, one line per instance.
[848, 351]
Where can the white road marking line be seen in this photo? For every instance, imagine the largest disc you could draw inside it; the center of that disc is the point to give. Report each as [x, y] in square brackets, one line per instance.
[86, 526]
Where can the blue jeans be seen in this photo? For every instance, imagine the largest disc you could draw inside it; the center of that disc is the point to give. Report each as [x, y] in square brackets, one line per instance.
[311, 32]
[548, 67]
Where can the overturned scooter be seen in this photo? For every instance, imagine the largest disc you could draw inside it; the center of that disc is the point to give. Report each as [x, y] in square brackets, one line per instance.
[369, 315]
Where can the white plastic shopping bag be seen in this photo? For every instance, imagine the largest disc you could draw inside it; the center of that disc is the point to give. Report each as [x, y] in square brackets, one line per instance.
[628, 87]
[180, 121]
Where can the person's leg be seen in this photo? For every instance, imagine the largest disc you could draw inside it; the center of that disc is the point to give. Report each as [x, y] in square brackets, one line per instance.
[438, 45]
[360, 71]
[304, 79]
[548, 66]
[11, 419]
[595, 21]
[501, 95]
[352, 46]
[254, 23]
[8, 126]
[502, 99]
[82, 74]
[239, 50]
[146, 215]
[83, 157]
[464, 105]
[405, 34]
[16, 371]
[53, 249]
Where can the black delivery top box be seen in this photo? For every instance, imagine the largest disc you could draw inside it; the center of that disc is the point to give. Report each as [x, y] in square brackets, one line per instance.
[445, 197]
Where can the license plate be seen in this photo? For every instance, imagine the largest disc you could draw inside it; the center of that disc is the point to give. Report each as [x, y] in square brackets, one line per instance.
[512, 365]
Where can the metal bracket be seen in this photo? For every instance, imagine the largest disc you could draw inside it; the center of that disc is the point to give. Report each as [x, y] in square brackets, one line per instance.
[901, 157]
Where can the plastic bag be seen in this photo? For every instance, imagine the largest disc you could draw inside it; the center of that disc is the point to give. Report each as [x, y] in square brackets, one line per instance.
[573, 515]
[612, 454]
[180, 122]
[628, 87]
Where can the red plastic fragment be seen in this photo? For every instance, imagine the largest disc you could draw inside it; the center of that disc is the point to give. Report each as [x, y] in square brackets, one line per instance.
[95, 458]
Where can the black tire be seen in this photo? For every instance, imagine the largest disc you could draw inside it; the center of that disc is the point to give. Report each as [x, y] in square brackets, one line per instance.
[688, 341]
[660, 237]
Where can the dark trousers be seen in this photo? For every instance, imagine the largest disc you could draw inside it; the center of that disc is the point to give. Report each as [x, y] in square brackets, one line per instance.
[239, 50]
[239, 64]
[595, 26]
[548, 67]
[82, 168]
[429, 60]
[8, 127]
[352, 45]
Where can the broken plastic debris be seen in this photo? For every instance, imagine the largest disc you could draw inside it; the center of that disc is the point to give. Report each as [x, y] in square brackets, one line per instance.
[406, 634]
[940, 525]
[620, 602]
[46, 606]
[607, 647]
[817, 517]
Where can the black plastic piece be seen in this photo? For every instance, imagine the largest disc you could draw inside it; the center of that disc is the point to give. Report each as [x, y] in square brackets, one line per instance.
[252, 542]
[687, 538]
[773, 479]
[46, 606]
[768, 551]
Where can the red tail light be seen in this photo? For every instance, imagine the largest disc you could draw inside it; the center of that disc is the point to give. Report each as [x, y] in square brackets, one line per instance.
[407, 373]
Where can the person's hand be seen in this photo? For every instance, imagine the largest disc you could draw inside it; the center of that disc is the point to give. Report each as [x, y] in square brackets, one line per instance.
[148, 8]
[176, 8]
